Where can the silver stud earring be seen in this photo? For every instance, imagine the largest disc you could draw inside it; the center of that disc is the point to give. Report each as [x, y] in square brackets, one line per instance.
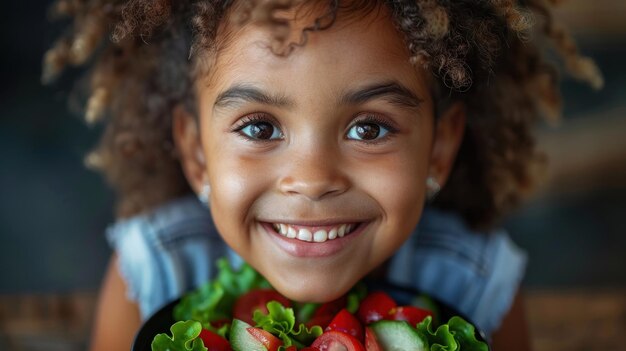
[432, 188]
[203, 196]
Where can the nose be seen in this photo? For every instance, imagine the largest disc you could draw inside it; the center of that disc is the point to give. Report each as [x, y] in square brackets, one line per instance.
[314, 173]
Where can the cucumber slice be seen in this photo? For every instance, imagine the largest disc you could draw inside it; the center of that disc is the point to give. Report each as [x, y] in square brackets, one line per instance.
[398, 336]
[241, 340]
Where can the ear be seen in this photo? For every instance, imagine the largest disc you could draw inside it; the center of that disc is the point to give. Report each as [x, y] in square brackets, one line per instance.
[449, 131]
[189, 147]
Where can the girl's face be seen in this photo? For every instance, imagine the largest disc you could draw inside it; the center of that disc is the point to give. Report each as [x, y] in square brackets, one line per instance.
[317, 161]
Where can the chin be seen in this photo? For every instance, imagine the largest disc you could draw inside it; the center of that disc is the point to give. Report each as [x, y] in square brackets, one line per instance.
[312, 295]
[309, 288]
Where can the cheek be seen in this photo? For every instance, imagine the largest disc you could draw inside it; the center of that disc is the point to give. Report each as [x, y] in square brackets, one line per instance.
[236, 182]
[397, 189]
[398, 186]
[398, 181]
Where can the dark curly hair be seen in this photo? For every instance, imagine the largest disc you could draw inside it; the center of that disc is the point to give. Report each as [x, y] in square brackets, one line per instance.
[479, 51]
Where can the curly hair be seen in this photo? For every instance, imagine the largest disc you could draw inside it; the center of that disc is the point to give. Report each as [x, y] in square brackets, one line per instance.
[479, 51]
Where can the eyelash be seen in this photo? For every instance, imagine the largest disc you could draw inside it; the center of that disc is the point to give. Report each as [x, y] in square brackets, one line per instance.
[262, 117]
[375, 119]
[252, 119]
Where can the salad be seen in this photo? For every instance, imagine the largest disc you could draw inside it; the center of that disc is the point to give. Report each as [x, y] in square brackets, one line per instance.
[239, 311]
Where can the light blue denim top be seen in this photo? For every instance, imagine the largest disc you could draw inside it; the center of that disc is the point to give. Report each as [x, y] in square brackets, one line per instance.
[167, 252]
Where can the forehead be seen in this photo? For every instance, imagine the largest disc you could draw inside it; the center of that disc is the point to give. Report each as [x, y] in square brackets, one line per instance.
[360, 45]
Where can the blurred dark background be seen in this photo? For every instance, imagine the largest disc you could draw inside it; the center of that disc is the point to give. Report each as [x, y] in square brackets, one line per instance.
[53, 211]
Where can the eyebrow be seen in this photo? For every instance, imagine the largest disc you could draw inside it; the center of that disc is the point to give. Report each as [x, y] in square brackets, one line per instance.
[392, 91]
[242, 93]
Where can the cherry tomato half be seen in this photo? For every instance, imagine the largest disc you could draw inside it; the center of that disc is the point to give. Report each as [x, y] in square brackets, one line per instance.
[345, 322]
[371, 343]
[333, 340]
[214, 342]
[375, 306]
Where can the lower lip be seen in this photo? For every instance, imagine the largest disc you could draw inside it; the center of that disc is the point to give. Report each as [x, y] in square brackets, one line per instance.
[299, 248]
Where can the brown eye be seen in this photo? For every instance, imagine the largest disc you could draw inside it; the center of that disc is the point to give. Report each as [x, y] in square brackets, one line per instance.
[261, 131]
[367, 131]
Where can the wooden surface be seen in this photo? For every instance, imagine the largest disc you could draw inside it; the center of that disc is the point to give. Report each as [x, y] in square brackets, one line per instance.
[46, 322]
[575, 320]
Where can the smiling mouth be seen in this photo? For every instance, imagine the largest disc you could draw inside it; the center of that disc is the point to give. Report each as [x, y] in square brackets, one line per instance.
[314, 234]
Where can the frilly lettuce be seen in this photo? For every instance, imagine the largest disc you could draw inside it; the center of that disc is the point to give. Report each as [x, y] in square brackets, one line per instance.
[456, 335]
[184, 338]
[464, 334]
[214, 300]
[281, 321]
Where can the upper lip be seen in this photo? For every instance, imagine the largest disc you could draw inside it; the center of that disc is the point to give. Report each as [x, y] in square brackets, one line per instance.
[314, 223]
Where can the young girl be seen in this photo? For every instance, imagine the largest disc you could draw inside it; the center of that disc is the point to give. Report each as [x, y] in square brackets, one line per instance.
[314, 132]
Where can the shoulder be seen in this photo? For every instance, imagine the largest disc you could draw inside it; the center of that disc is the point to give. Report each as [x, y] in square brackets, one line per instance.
[165, 252]
[478, 273]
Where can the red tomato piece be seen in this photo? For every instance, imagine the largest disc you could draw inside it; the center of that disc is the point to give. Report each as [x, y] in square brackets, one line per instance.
[333, 340]
[345, 322]
[310, 349]
[254, 300]
[266, 338]
[332, 307]
[411, 314]
[371, 343]
[214, 342]
[375, 306]
[291, 348]
[327, 311]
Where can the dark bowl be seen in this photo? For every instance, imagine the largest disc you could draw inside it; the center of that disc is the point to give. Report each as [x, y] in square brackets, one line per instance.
[162, 320]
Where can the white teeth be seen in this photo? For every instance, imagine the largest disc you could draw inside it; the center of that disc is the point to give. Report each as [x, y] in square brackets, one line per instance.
[320, 236]
[332, 234]
[291, 232]
[342, 231]
[305, 235]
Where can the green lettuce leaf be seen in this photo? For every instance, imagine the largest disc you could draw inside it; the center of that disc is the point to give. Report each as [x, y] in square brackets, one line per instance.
[214, 300]
[184, 338]
[464, 334]
[237, 283]
[439, 340]
[205, 304]
[279, 321]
